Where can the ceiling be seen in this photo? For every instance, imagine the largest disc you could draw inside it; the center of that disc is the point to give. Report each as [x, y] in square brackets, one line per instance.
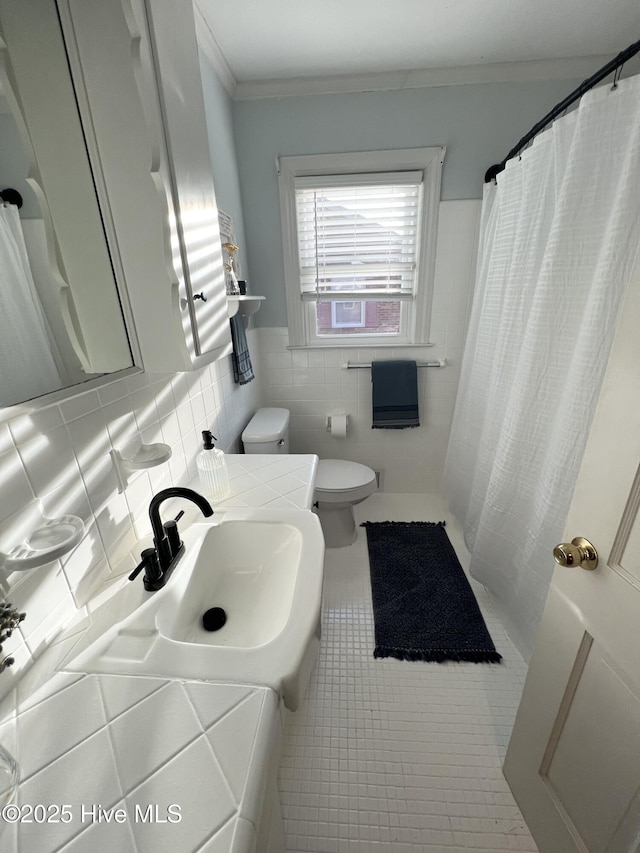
[276, 40]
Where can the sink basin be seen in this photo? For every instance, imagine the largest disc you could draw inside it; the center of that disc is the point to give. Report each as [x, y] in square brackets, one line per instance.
[263, 567]
[249, 573]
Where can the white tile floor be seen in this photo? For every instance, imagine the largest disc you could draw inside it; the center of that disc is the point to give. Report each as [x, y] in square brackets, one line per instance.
[392, 756]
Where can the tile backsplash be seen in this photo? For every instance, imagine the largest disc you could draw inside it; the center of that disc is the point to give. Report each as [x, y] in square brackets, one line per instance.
[58, 458]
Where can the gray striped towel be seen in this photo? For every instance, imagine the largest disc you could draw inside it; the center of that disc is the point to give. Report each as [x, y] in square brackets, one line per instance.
[240, 358]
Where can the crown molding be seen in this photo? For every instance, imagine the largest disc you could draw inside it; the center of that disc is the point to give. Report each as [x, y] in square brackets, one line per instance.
[211, 49]
[464, 75]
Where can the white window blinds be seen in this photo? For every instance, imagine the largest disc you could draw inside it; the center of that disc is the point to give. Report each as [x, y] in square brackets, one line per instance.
[358, 235]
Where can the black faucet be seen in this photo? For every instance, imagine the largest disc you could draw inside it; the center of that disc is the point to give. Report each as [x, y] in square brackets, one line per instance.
[161, 560]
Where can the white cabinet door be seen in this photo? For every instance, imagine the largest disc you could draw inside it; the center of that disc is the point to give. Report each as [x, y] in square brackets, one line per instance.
[573, 762]
[137, 64]
[175, 52]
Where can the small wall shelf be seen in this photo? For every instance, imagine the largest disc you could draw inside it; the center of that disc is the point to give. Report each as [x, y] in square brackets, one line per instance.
[244, 305]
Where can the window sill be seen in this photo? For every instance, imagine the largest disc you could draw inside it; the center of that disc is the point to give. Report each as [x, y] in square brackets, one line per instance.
[357, 346]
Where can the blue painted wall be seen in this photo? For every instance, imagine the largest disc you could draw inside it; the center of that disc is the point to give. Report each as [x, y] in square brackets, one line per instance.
[219, 116]
[479, 124]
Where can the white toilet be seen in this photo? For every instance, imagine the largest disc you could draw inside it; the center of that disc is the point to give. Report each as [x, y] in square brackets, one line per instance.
[267, 432]
[340, 485]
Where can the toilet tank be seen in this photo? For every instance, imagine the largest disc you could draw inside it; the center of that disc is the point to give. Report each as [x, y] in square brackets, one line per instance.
[267, 432]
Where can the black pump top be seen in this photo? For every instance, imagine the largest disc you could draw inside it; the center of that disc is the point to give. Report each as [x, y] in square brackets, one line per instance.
[208, 439]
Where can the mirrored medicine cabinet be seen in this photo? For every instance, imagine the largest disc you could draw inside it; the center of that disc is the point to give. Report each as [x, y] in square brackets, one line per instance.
[103, 133]
[62, 320]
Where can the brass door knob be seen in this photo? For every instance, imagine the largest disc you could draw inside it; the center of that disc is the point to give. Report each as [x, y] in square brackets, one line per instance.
[580, 552]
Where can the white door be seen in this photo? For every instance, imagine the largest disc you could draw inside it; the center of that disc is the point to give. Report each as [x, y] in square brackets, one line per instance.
[573, 762]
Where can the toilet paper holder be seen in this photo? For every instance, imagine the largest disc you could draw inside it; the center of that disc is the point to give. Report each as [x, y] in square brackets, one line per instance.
[329, 423]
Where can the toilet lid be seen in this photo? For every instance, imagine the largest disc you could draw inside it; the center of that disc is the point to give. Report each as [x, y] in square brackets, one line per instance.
[337, 475]
[267, 424]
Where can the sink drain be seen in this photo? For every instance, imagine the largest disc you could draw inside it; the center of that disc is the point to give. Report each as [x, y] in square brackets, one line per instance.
[214, 619]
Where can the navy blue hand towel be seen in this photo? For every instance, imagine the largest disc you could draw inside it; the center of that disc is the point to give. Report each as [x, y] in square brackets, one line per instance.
[240, 358]
[394, 394]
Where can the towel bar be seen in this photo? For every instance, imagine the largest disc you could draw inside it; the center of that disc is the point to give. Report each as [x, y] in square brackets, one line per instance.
[441, 362]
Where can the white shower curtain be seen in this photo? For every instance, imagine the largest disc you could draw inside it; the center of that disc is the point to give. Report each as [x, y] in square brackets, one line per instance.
[27, 368]
[559, 235]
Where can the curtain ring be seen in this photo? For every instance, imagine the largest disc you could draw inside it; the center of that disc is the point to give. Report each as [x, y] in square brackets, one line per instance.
[616, 76]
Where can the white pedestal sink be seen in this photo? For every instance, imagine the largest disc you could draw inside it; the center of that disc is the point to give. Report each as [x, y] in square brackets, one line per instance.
[263, 567]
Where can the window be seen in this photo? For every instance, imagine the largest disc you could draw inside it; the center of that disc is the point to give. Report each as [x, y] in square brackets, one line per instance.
[344, 315]
[359, 244]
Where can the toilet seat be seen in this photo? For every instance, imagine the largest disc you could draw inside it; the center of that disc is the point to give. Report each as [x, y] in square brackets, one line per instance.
[340, 481]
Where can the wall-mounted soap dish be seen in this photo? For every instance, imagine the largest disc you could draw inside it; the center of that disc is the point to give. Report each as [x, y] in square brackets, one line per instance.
[143, 456]
[54, 538]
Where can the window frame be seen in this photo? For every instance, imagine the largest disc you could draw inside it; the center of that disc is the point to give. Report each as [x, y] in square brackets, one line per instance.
[301, 311]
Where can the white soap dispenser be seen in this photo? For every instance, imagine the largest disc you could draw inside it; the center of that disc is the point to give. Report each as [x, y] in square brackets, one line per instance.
[212, 469]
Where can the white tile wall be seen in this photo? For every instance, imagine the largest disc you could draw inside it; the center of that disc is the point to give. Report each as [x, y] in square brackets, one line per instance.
[59, 456]
[312, 383]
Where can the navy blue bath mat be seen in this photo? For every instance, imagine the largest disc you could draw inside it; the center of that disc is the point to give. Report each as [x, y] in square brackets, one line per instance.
[423, 606]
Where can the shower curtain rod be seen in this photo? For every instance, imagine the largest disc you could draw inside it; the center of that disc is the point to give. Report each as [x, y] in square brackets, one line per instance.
[613, 65]
[9, 196]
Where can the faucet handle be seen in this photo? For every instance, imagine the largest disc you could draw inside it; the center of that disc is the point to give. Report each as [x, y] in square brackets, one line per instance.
[150, 563]
[134, 574]
[173, 536]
